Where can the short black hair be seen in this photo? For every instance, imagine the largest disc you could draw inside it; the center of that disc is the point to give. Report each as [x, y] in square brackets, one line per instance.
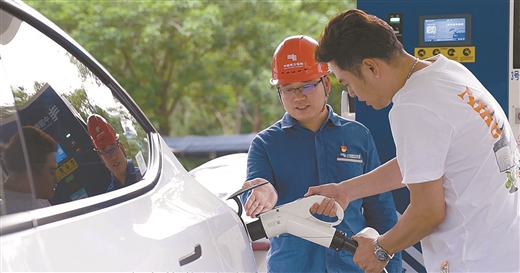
[352, 36]
[38, 144]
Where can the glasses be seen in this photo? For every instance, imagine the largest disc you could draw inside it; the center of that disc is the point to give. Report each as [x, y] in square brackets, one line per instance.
[108, 151]
[304, 90]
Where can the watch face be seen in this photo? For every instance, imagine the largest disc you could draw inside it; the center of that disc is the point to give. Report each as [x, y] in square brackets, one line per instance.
[381, 255]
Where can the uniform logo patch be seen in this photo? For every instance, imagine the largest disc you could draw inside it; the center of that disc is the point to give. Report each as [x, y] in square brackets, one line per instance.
[348, 157]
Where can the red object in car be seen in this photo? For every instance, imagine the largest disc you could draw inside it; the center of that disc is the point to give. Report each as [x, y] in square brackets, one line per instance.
[261, 246]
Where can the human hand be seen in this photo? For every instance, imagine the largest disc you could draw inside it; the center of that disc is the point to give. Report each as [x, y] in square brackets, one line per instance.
[365, 257]
[262, 198]
[328, 205]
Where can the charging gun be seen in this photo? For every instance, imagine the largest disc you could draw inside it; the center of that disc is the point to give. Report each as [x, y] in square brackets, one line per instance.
[295, 218]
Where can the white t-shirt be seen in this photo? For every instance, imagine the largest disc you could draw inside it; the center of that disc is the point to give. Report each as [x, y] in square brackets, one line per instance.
[18, 201]
[446, 124]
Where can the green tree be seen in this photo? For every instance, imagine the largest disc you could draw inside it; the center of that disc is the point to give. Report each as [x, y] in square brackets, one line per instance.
[194, 67]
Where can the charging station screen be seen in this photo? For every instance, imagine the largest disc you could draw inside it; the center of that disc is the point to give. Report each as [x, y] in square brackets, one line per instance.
[445, 30]
[60, 154]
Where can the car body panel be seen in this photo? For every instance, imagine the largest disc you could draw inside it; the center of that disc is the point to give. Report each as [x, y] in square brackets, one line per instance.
[223, 176]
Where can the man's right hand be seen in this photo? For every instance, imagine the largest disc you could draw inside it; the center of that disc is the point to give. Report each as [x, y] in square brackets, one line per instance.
[327, 206]
[262, 198]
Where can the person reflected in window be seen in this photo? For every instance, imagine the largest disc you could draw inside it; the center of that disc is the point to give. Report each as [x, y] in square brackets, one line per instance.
[19, 193]
[111, 151]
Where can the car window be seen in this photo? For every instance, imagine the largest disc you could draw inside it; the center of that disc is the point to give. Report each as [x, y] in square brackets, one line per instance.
[45, 87]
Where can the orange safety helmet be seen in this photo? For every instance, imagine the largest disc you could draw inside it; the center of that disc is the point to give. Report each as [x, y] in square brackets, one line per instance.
[293, 61]
[101, 132]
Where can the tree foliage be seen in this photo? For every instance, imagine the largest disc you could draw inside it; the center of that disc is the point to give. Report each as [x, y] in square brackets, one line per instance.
[194, 67]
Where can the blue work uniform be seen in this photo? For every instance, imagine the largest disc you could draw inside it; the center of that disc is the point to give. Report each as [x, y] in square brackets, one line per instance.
[132, 175]
[293, 158]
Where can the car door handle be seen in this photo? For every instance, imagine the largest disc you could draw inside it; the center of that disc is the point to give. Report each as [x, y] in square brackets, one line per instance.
[197, 253]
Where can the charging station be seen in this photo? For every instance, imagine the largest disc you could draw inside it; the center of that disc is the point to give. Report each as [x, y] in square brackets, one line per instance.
[482, 35]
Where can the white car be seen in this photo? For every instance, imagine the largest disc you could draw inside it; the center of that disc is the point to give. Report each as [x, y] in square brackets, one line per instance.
[166, 222]
[224, 176]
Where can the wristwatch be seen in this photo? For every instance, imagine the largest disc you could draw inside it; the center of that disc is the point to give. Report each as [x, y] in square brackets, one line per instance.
[381, 254]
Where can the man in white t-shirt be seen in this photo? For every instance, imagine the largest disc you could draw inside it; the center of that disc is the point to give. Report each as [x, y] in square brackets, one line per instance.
[455, 151]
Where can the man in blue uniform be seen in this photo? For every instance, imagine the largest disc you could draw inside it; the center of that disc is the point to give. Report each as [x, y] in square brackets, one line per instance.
[311, 145]
[106, 143]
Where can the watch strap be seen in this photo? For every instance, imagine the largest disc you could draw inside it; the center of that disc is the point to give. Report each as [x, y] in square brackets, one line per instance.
[378, 249]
